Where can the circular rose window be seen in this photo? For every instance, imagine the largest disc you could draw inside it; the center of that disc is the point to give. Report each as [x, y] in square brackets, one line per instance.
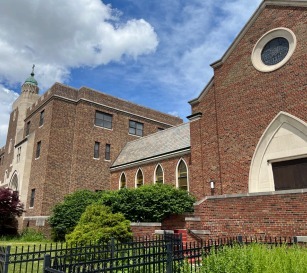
[273, 49]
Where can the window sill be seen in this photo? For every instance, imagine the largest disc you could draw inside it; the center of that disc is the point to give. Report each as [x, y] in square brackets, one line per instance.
[97, 126]
[134, 135]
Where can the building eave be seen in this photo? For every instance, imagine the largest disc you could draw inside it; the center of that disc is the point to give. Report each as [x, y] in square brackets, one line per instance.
[142, 161]
[203, 93]
[69, 100]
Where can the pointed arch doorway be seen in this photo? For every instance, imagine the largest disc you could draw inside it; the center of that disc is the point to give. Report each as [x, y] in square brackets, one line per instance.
[280, 158]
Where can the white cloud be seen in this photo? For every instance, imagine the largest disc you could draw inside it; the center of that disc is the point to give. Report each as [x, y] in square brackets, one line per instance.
[193, 35]
[59, 35]
[7, 97]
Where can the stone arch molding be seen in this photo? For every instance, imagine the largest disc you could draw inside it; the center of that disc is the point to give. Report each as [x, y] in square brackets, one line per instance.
[284, 139]
[14, 182]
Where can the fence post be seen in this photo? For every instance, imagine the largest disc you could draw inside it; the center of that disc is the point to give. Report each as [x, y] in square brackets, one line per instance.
[169, 258]
[47, 262]
[112, 253]
[6, 259]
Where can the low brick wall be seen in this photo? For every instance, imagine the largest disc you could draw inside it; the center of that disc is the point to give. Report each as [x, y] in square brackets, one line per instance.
[174, 222]
[144, 229]
[273, 214]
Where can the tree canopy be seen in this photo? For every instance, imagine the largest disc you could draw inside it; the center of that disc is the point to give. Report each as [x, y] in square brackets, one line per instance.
[65, 215]
[10, 208]
[149, 203]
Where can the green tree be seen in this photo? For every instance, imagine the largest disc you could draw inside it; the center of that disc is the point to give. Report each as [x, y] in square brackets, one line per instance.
[66, 214]
[149, 203]
[98, 224]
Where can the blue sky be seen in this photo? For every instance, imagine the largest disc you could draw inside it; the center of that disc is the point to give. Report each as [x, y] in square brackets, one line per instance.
[153, 53]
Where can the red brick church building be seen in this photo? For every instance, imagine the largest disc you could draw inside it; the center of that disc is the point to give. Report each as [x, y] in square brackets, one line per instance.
[247, 157]
[243, 153]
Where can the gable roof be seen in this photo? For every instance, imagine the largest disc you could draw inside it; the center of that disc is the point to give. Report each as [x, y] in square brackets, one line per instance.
[169, 142]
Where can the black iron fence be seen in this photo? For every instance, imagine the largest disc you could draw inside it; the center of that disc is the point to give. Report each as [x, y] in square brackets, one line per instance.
[166, 254]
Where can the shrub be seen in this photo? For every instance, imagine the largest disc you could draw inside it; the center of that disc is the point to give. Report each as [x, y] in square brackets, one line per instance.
[65, 215]
[10, 208]
[149, 203]
[98, 224]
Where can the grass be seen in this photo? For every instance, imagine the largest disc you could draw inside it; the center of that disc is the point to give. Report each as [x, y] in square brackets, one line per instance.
[28, 242]
[27, 236]
[254, 258]
[257, 258]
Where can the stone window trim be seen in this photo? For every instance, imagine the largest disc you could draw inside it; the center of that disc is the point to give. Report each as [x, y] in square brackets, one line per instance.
[182, 175]
[38, 150]
[41, 118]
[157, 175]
[96, 150]
[263, 41]
[136, 128]
[122, 181]
[139, 178]
[107, 154]
[32, 198]
[28, 125]
[103, 120]
[18, 154]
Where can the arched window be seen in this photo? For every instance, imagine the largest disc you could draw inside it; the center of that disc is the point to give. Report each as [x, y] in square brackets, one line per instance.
[182, 176]
[122, 181]
[139, 179]
[159, 175]
[14, 182]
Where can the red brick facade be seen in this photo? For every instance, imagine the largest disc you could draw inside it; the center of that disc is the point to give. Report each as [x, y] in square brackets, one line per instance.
[236, 109]
[241, 103]
[262, 215]
[169, 167]
[67, 136]
[230, 119]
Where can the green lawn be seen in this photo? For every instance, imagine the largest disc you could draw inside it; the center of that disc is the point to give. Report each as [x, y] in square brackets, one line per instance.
[257, 259]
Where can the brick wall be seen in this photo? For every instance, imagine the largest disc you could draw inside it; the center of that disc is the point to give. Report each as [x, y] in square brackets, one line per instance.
[38, 173]
[66, 163]
[168, 165]
[144, 229]
[272, 214]
[242, 102]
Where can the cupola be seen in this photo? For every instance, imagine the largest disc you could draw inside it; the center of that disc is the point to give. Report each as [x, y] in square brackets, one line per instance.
[30, 85]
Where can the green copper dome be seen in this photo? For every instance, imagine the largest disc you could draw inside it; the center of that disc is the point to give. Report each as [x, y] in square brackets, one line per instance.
[31, 79]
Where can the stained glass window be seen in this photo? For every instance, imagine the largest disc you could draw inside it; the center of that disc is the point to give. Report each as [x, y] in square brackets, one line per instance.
[275, 51]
